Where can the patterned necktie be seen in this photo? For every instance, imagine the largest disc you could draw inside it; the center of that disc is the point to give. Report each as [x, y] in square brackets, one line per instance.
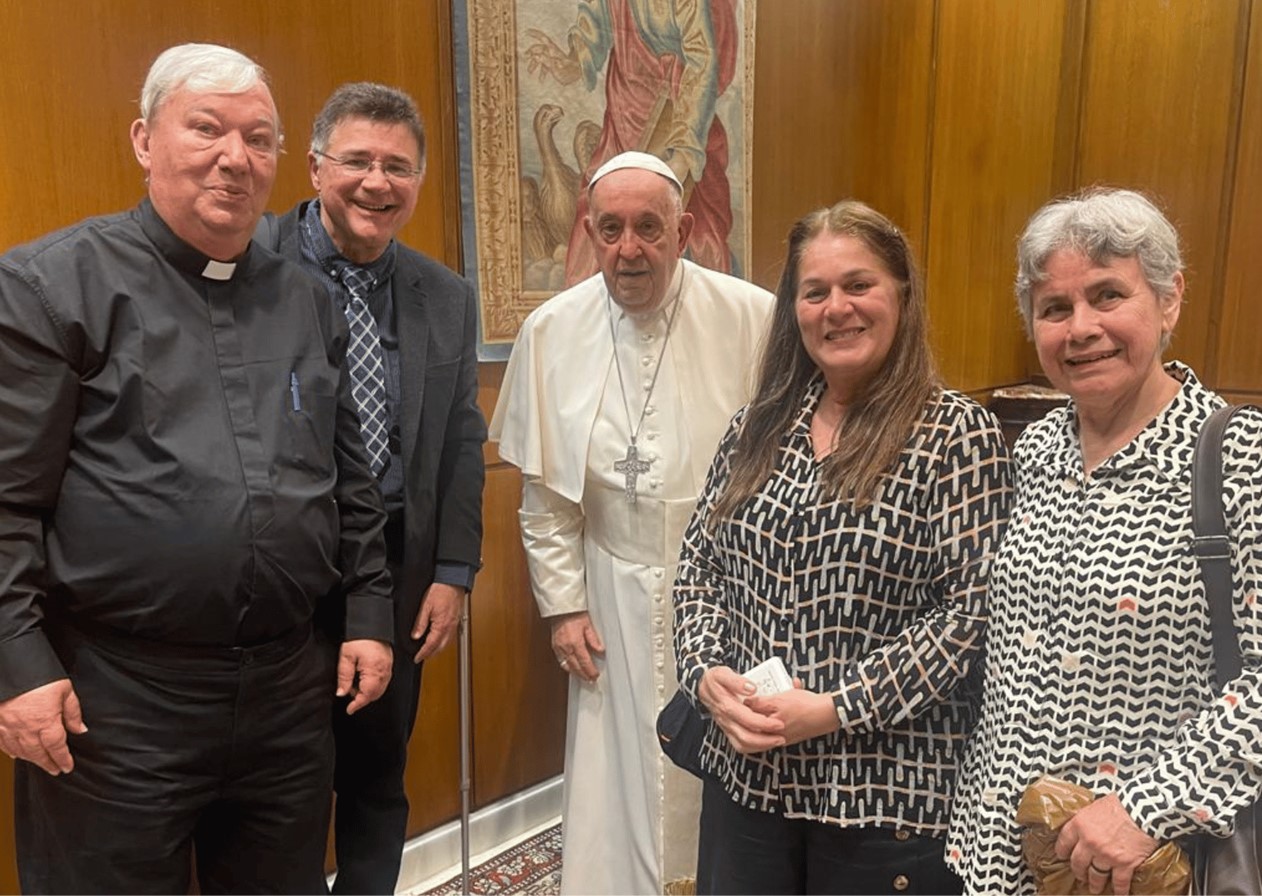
[367, 369]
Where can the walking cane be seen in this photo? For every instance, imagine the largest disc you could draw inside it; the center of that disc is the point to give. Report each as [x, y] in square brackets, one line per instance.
[465, 773]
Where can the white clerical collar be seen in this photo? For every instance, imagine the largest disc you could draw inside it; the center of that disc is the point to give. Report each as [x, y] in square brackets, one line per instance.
[219, 270]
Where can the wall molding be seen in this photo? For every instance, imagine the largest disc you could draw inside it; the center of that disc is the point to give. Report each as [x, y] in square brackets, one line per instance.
[437, 852]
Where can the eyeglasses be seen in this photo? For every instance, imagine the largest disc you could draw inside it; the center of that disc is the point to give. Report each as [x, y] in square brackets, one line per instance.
[359, 166]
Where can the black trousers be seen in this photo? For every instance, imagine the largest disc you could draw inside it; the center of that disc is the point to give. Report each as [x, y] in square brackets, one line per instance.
[371, 812]
[221, 753]
[744, 850]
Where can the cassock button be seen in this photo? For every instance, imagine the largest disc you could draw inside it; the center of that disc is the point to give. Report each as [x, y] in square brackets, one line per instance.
[901, 882]
[902, 836]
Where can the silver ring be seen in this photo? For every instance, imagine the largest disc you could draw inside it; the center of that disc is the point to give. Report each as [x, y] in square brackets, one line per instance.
[1098, 870]
[564, 664]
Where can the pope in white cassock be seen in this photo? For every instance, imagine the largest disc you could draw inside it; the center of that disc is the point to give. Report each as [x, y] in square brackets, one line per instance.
[614, 399]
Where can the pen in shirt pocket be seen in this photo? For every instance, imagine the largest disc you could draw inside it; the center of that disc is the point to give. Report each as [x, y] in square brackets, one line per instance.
[293, 390]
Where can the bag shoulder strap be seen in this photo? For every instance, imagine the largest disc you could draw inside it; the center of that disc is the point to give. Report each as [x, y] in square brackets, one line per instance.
[1210, 542]
[267, 232]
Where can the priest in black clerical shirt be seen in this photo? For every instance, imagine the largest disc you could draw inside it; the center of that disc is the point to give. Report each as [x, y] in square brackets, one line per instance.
[183, 485]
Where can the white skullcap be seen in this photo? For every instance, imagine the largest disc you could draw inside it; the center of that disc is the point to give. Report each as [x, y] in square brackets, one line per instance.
[641, 160]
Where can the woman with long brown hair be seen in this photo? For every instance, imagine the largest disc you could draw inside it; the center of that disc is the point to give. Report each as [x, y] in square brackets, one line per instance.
[845, 530]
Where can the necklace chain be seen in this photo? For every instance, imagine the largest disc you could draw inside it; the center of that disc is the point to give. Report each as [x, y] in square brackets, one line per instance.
[634, 430]
[631, 466]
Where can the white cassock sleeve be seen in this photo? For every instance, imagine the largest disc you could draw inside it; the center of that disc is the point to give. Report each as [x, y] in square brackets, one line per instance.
[552, 534]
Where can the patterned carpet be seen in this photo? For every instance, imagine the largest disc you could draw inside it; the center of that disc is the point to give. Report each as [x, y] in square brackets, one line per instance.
[532, 867]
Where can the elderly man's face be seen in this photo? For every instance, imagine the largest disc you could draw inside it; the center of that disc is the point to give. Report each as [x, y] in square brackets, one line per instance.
[211, 161]
[638, 233]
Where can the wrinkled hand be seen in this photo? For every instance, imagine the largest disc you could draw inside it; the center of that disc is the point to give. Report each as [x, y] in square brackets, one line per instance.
[437, 619]
[33, 725]
[574, 640]
[724, 693]
[804, 714]
[1104, 836]
[363, 671]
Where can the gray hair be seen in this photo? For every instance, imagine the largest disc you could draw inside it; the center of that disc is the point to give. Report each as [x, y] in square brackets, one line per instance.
[364, 99]
[1101, 223]
[201, 68]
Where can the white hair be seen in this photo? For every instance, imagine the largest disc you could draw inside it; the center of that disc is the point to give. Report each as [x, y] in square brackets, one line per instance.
[1101, 223]
[201, 68]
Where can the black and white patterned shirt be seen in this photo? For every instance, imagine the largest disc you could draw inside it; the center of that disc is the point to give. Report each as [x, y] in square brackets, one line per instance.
[1099, 665]
[883, 608]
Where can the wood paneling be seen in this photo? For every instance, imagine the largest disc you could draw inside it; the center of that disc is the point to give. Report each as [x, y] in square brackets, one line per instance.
[519, 693]
[841, 110]
[432, 776]
[1239, 337]
[1157, 114]
[996, 101]
[66, 153]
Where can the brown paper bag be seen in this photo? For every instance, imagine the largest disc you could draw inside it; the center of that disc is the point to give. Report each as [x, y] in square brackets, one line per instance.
[1050, 802]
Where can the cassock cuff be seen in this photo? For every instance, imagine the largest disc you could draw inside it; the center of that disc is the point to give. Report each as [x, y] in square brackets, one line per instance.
[369, 617]
[27, 662]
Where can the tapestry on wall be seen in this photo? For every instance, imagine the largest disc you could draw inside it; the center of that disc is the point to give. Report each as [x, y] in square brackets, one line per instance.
[554, 89]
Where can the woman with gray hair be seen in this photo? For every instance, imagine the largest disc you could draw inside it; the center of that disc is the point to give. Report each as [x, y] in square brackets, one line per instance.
[1099, 666]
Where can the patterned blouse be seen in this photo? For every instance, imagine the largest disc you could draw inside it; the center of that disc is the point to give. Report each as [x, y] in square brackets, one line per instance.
[884, 608]
[1099, 666]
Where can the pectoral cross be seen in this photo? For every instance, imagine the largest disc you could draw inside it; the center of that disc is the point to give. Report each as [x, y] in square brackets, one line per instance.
[631, 466]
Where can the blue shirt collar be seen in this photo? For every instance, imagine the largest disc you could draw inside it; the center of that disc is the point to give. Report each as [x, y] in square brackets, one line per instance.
[329, 258]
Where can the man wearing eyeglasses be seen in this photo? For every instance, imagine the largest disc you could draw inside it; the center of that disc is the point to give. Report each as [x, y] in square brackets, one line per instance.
[183, 488]
[413, 364]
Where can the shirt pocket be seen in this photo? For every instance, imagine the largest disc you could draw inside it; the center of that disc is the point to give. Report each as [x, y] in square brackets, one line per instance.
[309, 420]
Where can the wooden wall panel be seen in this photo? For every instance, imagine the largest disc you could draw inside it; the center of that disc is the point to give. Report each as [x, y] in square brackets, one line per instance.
[841, 110]
[432, 776]
[72, 110]
[519, 692]
[1157, 114]
[1239, 337]
[996, 102]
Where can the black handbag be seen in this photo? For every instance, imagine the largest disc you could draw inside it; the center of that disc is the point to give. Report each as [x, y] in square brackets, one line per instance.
[680, 731]
[1226, 866]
